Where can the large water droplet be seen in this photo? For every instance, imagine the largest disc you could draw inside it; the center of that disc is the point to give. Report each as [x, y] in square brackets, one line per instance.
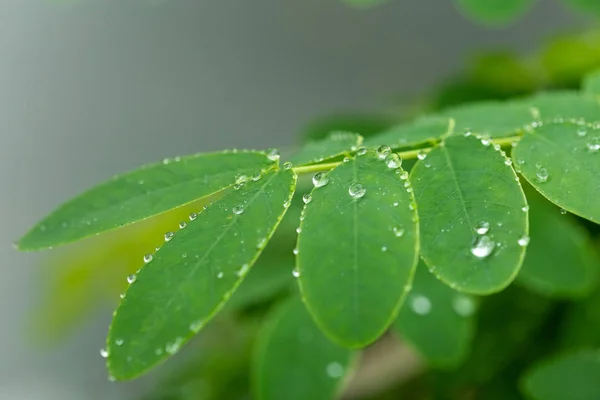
[393, 161]
[523, 241]
[361, 151]
[335, 370]
[421, 305]
[404, 175]
[147, 258]
[273, 154]
[483, 247]
[542, 174]
[295, 251]
[237, 210]
[383, 152]
[193, 216]
[287, 165]
[131, 278]
[307, 198]
[240, 179]
[356, 190]
[482, 228]
[421, 155]
[320, 179]
[296, 273]
[182, 225]
[463, 305]
[168, 236]
[103, 353]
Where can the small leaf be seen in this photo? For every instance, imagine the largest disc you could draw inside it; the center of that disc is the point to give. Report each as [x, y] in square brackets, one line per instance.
[591, 83]
[565, 104]
[294, 360]
[559, 261]
[495, 12]
[334, 145]
[574, 376]
[437, 320]
[562, 161]
[357, 250]
[473, 215]
[411, 134]
[190, 278]
[141, 194]
[491, 118]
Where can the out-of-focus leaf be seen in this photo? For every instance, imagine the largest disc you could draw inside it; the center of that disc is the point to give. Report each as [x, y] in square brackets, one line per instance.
[505, 74]
[437, 320]
[357, 249]
[294, 359]
[567, 59]
[421, 131]
[581, 325]
[494, 12]
[473, 215]
[587, 6]
[191, 277]
[365, 125]
[560, 261]
[591, 83]
[561, 160]
[565, 104]
[573, 376]
[334, 145]
[141, 194]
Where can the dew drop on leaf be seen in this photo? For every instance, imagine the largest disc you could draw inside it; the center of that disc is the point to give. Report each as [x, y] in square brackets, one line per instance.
[320, 179]
[361, 151]
[523, 241]
[356, 191]
[398, 231]
[307, 198]
[542, 174]
[421, 155]
[295, 251]
[581, 131]
[182, 225]
[482, 228]
[383, 151]
[296, 273]
[393, 161]
[256, 177]
[168, 236]
[220, 275]
[420, 305]
[346, 159]
[193, 216]
[242, 271]
[237, 210]
[563, 211]
[287, 165]
[273, 154]
[147, 258]
[525, 208]
[173, 347]
[119, 342]
[463, 305]
[483, 247]
[593, 145]
[404, 175]
[241, 179]
[103, 353]
[131, 278]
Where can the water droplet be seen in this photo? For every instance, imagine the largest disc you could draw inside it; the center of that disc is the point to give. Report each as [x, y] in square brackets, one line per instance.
[273, 154]
[398, 231]
[119, 342]
[356, 190]
[261, 243]
[421, 155]
[298, 230]
[395, 204]
[122, 295]
[243, 270]
[404, 175]
[256, 177]
[523, 241]
[287, 165]
[393, 161]
[593, 145]
[320, 179]
[241, 179]
[173, 347]
[482, 228]
[166, 161]
[306, 198]
[346, 159]
[421, 305]
[237, 210]
[158, 352]
[384, 248]
[483, 247]
[184, 255]
[103, 353]
[296, 273]
[361, 151]
[193, 216]
[287, 203]
[581, 131]
[111, 378]
[383, 152]
[497, 147]
[563, 211]
[463, 305]
[147, 258]
[542, 174]
[196, 326]
[182, 225]
[131, 278]
[295, 251]
[508, 161]
[335, 370]
[168, 236]
[238, 186]
[467, 132]
[525, 208]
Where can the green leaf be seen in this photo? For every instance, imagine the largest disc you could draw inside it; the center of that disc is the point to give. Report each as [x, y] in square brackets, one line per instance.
[494, 12]
[334, 145]
[473, 214]
[562, 161]
[566, 105]
[491, 118]
[364, 124]
[560, 261]
[591, 83]
[190, 278]
[357, 249]
[294, 359]
[421, 131]
[581, 325]
[566, 59]
[574, 376]
[437, 320]
[587, 6]
[143, 193]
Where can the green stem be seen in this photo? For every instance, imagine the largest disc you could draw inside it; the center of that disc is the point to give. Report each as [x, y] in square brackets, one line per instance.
[405, 155]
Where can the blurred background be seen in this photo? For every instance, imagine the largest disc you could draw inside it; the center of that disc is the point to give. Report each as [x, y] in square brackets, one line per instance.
[92, 88]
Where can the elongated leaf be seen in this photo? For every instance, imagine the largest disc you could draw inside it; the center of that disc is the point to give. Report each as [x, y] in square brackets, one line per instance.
[591, 83]
[334, 145]
[437, 320]
[495, 12]
[192, 275]
[421, 131]
[574, 376]
[493, 118]
[560, 261]
[357, 250]
[562, 161]
[294, 360]
[566, 105]
[141, 194]
[473, 215]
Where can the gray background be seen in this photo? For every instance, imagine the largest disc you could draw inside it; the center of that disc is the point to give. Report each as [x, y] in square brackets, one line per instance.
[98, 87]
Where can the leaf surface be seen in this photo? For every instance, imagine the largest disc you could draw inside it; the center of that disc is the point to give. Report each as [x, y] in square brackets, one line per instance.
[357, 253]
[495, 12]
[191, 276]
[420, 131]
[334, 145]
[473, 214]
[591, 83]
[565, 104]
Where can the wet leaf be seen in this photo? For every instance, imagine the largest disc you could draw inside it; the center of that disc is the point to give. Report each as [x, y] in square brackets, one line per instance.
[591, 83]
[334, 145]
[410, 134]
[494, 12]
[566, 105]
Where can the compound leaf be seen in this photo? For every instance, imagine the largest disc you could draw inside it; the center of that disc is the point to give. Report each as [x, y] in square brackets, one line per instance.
[334, 145]
[574, 376]
[562, 161]
[473, 215]
[437, 320]
[494, 12]
[357, 249]
[189, 279]
[566, 105]
[143, 193]
[294, 360]
[423, 130]
[560, 261]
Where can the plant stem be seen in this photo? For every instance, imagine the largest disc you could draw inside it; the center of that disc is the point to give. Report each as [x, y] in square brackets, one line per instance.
[405, 155]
